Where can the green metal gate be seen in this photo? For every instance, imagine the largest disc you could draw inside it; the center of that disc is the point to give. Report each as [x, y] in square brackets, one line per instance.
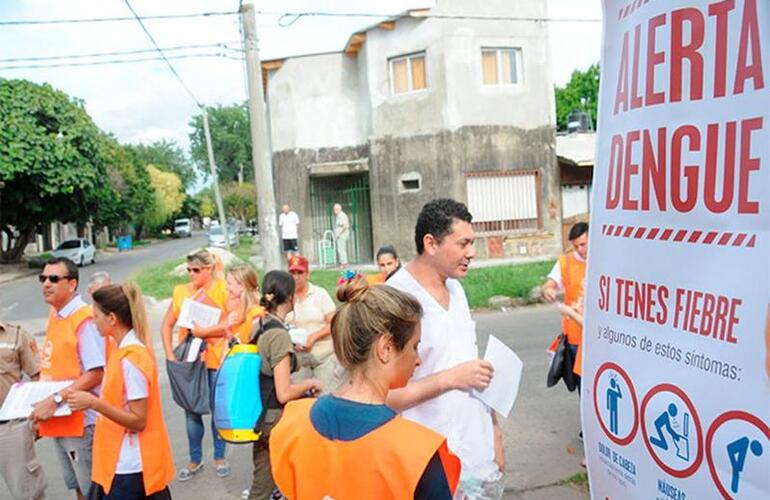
[352, 192]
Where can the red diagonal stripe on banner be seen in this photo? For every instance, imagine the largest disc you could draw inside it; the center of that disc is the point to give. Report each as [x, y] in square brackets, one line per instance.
[752, 241]
[666, 234]
[709, 239]
[739, 239]
[620, 13]
[694, 236]
[640, 232]
[628, 9]
[609, 229]
[653, 233]
[724, 239]
[604, 229]
[618, 230]
[628, 231]
[680, 235]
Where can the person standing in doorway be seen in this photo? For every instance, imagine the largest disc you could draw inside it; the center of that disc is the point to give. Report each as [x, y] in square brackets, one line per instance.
[18, 354]
[341, 233]
[289, 220]
[73, 350]
[439, 393]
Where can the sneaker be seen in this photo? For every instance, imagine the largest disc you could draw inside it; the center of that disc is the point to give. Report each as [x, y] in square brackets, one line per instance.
[245, 494]
[222, 468]
[187, 473]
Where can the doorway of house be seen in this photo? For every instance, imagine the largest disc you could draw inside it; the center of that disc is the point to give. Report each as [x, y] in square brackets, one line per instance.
[352, 192]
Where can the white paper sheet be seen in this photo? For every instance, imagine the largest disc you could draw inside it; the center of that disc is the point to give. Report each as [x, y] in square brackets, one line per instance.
[201, 314]
[22, 396]
[299, 336]
[502, 391]
[194, 350]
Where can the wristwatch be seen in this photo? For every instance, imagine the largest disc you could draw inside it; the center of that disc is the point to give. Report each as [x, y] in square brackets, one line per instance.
[58, 398]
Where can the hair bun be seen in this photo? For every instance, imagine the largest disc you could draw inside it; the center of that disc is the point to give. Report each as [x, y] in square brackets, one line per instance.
[353, 290]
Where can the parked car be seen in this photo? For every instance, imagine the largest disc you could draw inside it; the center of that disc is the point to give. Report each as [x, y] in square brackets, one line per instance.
[217, 237]
[182, 228]
[78, 251]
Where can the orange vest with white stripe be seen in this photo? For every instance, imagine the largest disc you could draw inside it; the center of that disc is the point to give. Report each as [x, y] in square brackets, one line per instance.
[154, 445]
[385, 464]
[60, 360]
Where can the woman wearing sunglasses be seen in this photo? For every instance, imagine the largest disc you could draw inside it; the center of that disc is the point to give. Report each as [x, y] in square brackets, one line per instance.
[208, 287]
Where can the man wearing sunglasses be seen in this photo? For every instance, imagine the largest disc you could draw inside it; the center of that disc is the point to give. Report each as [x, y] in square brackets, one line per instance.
[73, 350]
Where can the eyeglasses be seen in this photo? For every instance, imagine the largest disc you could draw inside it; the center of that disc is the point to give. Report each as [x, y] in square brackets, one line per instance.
[53, 278]
[194, 270]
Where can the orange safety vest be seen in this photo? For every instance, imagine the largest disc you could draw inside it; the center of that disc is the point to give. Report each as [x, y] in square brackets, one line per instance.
[154, 446]
[388, 462]
[215, 296]
[243, 331]
[573, 272]
[375, 279]
[60, 360]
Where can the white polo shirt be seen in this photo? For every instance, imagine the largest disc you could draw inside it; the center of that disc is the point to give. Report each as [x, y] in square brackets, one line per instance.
[448, 339]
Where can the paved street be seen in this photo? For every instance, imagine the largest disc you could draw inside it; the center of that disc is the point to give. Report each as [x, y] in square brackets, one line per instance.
[541, 432]
[22, 302]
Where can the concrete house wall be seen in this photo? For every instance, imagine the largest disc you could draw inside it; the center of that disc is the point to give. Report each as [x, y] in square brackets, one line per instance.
[456, 126]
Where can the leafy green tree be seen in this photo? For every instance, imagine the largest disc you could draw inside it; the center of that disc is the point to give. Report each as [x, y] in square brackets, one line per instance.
[50, 161]
[230, 140]
[168, 197]
[167, 156]
[582, 85]
[240, 200]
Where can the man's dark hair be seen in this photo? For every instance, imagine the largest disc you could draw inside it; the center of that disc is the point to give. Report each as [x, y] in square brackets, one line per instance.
[436, 218]
[578, 230]
[72, 268]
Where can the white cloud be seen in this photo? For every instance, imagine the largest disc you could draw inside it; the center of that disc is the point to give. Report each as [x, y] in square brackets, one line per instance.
[144, 102]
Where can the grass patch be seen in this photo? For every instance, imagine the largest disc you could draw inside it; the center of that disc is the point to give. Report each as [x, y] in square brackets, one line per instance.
[579, 479]
[156, 281]
[515, 280]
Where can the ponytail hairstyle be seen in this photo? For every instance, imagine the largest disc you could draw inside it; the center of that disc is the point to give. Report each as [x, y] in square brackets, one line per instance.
[277, 289]
[126, 303]
[246, 276]
[368, 312]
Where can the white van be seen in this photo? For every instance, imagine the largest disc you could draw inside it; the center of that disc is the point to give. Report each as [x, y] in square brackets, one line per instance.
[182, 228]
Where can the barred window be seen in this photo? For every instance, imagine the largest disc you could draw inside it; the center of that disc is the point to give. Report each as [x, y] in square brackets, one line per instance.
[504, 201]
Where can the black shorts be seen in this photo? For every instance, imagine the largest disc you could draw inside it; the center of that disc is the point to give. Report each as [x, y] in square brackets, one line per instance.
[126, 486]
[290, 245]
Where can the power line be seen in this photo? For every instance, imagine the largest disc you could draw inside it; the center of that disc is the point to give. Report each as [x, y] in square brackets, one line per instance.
[296, 16]
[117, 53]
[23, 22]
[119, 61]
[170, 66]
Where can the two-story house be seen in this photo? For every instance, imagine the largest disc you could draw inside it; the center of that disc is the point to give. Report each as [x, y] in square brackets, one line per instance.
[440, 102]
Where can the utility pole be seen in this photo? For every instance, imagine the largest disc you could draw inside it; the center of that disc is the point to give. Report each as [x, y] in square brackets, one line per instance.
[261, 153]
[217, 194]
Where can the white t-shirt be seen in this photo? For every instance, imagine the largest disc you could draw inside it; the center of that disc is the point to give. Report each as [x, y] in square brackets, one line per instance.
[448, 339]
[135, 386]
[288, 223]
[91, 348]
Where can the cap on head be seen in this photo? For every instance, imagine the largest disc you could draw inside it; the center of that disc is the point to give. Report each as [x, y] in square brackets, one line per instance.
[299, 263]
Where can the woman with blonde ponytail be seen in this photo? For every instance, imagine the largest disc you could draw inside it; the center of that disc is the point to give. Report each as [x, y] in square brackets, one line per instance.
[131, 450]
[243, 308]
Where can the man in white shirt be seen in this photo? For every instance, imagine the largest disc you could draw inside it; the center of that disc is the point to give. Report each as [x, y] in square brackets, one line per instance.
[341, 233]
[289, 220]
[438, 395]
[73, 350]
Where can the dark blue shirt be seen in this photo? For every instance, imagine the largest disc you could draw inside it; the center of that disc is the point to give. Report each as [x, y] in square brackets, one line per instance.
[344, 420]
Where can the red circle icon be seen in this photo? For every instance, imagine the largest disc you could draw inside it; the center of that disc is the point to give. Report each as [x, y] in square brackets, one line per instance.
[621, 441]
[721, 420]
[689, 471]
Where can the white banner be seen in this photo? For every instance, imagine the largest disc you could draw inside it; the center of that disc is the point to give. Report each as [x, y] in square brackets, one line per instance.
[676, 390]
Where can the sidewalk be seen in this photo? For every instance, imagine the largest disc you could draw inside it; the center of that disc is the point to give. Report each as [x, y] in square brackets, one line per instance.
[12, 272]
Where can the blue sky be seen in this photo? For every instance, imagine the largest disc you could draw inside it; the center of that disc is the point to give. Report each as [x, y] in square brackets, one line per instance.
[143, 102]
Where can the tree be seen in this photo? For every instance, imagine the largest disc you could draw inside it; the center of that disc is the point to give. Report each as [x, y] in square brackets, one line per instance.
[168, 197]
[165, 155]
[50, 161]
[582, 85]
[239, 200]
[230, 140]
